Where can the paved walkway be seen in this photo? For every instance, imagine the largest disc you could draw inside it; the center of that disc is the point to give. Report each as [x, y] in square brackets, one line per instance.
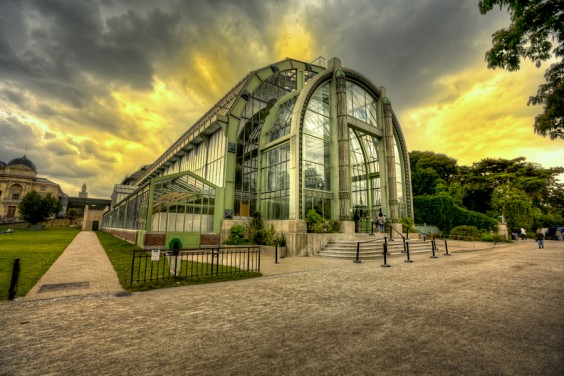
[490, 312]
[82, 269]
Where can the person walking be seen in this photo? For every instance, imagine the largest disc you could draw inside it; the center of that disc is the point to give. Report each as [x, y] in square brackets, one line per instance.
[356, 218]
[540, 238]
[523, 233]
[381, 222]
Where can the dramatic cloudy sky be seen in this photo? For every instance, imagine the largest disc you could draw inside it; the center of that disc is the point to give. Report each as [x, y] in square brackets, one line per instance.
[95, 89]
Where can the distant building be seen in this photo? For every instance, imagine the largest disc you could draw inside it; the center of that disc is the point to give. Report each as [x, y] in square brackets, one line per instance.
[83, 193]
[19, 177]
[79, 203]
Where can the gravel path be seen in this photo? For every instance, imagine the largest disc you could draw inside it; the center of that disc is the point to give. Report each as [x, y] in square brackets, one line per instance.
[489, 312]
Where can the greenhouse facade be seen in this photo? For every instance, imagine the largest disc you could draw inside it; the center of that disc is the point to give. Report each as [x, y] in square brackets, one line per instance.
[288, 138]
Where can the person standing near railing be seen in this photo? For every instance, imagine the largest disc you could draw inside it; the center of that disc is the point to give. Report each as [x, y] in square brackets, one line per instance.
[540, 238]
[356, 218]
[381, 222]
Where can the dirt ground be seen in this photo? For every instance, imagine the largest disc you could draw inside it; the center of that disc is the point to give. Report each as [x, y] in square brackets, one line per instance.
[486, 312]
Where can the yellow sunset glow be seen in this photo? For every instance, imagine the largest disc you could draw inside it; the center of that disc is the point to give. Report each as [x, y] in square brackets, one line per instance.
[294, 40]
[482, 113]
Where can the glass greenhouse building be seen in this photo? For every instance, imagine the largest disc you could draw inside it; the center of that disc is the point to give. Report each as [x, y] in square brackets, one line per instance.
[289, 137]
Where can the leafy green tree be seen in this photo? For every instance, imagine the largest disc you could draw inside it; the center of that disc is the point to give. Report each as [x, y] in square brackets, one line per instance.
[483, 178]
[455, 190]
[534, 25]
[425, 181]
[35, 209]
[443, 165]
[515, 204]
[429, 170]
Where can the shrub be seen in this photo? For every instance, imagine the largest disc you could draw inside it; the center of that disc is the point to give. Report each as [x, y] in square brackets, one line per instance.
[264, 236]
[408, 223]
[280, 239]
[316, 223]
[442, 211]
[237, 235]
[497, 238]
[464, 232]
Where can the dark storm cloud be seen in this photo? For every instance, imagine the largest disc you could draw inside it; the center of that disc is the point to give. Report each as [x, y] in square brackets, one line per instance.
[75, 66]
[54, 45]
[404, 45]
[15, 136]
[59, 148]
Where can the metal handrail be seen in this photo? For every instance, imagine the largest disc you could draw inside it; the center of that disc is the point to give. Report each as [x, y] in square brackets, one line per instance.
[399, 233]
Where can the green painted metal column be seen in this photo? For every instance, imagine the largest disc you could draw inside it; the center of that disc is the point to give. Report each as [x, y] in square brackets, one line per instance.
[390, 160]
[343, 144]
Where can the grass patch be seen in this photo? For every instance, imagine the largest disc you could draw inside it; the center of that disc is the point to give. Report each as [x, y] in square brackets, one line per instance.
[37, 251]
[120, 254]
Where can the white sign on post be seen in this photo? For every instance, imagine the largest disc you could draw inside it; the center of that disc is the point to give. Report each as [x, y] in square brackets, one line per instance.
[155, 255]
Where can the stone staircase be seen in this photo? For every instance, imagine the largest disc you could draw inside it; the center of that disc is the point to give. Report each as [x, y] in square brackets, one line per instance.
[371, 247]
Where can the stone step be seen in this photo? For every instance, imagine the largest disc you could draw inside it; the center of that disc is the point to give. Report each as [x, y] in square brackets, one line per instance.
[372, 249]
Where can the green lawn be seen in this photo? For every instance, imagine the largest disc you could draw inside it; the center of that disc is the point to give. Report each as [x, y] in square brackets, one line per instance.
[120, 254]
[37, 251]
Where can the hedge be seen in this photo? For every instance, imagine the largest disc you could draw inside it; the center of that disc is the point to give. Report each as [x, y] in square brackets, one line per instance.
[443, 212]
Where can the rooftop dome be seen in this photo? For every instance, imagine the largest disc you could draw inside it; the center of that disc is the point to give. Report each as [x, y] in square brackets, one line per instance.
[22, 161]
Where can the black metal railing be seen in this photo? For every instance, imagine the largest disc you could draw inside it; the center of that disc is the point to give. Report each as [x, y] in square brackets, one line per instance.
[153, 266]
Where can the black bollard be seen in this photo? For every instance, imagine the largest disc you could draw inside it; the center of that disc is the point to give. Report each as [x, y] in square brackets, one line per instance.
[404, 246]
[14, 282]
[276, 254]
[407, 250]
[446, 248]
[385, 264]
[357, 260]
[386, 243]
[433, 248]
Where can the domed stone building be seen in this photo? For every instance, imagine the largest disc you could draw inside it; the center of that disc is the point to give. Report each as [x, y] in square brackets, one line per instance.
[17, 178]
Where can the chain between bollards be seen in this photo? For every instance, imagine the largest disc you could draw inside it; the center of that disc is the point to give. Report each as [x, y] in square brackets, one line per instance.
[14, 282]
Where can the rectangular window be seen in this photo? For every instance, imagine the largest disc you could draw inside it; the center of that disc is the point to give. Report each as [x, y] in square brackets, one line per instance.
[274, 174]
[11, 212]
[16, 196]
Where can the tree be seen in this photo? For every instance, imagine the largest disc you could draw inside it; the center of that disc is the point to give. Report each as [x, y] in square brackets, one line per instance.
[72, 215]
[35, 209]
[515, 204]
[534, 23]
[429, 170]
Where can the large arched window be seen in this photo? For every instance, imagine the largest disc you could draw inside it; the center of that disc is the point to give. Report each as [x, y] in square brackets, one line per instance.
[317, 153]
[360, 104]
[16, 192]
[252, 120]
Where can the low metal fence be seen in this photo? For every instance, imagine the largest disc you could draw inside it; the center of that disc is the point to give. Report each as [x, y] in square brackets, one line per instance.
[156, 265]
